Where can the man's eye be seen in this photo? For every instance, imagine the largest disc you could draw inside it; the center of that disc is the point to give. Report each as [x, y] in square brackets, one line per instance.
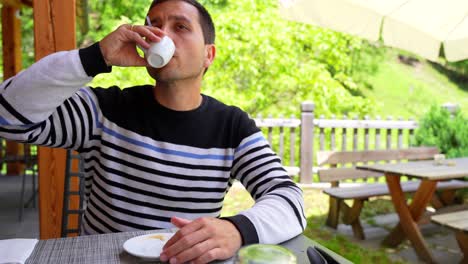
[181, 26]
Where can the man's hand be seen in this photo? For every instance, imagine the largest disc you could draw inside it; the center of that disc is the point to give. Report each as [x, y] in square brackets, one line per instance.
[201, 241]
[119, 47]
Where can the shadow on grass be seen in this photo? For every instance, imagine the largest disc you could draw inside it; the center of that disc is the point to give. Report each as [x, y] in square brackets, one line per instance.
[343, 245]
[316, 208]
[459, 78]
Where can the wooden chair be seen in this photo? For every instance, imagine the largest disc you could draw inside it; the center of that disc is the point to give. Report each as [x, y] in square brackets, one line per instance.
[73, 197]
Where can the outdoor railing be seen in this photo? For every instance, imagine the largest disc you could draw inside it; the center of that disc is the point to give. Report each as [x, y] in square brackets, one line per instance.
[285, 138]
[330, 134]
[296, 140]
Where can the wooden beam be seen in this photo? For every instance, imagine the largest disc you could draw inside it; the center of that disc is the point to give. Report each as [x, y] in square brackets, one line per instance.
[54, 30]
[11, 40]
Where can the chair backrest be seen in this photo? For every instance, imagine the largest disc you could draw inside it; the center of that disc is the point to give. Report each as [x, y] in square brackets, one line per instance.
[341, 163]
[73, 197]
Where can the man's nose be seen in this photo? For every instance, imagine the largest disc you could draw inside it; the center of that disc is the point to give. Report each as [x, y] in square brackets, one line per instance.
[166, 31]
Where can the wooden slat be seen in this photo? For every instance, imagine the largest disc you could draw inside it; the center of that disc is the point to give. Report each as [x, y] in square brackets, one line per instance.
[389, 135]
[54, 30]
[344, 136]
[380, 189]
[277, 122]
[270, 133]
[292, 146]
[456, 220]
[377, 136]
[355, 137]
[270, 136]
[321, 139]
[281, 143]
[333, 139]
[425, 169]
[366, 135]
[338, 174]
[355, 140]
[400, 136]
[381, 124]
[74, 202]
[340, 157]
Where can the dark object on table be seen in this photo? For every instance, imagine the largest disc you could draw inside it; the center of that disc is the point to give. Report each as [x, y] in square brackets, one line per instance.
[319, 256]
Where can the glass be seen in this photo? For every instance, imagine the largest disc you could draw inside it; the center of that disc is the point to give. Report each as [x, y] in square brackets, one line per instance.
[263, 254]
[439, 159]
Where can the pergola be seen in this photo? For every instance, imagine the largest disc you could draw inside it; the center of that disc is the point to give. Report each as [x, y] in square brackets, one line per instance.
[54, 30]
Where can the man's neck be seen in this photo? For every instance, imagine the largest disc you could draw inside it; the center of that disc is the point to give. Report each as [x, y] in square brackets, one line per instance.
[178, 96]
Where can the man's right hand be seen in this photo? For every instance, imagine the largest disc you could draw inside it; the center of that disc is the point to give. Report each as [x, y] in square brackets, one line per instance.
[119, 47]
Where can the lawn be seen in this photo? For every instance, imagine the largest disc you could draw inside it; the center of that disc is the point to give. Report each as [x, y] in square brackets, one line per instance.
[316, 207]
[408, 90]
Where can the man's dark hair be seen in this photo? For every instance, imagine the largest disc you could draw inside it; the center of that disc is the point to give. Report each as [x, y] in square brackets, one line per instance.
[205, 20]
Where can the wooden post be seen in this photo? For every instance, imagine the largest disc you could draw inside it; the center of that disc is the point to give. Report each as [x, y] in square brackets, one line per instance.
[54, 30]
[11, 40]
[307, 142]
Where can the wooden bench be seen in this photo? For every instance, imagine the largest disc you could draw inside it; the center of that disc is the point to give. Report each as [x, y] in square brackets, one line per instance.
[341, 168]
[457, 221]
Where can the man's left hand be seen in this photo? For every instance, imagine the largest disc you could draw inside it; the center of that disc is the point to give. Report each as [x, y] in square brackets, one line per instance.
[201, 241]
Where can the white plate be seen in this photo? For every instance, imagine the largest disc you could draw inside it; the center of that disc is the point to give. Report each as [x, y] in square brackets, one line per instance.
[147, 246]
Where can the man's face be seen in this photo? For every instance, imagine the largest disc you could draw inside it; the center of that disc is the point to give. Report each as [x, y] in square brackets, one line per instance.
[180, 21]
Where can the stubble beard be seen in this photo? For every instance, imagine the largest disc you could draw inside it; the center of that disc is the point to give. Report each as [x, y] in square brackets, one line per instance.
[169, 76]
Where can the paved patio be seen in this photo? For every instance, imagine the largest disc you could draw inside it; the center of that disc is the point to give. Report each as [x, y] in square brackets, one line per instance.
[10, 226]
[440, 240]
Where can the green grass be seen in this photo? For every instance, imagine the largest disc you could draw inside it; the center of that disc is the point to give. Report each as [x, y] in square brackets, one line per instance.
[316, 208]
[409, 91]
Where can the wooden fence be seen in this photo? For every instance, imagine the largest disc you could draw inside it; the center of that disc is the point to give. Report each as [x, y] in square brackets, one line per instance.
[330, 134]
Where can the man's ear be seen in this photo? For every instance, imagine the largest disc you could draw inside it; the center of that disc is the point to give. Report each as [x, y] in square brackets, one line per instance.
[210, 53]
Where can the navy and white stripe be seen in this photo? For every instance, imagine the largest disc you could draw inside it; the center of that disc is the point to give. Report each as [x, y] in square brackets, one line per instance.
[145, 163]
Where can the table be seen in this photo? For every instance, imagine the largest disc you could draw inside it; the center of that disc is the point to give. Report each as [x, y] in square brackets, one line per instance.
[429, 172]
[107, 248]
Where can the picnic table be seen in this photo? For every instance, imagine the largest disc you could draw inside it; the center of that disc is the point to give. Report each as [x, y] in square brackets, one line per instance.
[108, 248]
[429, 172]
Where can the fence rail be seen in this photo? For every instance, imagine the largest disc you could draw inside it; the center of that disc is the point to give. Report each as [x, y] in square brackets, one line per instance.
[285, 127]
[296, 140]
[330, 134]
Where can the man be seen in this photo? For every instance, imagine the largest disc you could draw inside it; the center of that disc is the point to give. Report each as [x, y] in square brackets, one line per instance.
[156, 156]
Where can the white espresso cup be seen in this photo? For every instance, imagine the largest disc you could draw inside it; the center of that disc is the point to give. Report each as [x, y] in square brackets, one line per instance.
[160, 53]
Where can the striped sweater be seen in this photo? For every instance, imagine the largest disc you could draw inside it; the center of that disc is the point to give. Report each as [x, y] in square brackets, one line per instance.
[145, 163]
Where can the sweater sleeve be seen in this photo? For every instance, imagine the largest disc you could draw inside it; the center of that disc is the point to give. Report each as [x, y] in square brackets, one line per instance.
[47, 104]
[278, 213]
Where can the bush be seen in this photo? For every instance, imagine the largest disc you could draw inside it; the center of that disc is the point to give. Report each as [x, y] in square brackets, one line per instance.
[449, 134]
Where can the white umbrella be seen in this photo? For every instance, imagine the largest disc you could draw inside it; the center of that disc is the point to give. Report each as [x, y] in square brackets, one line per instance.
[419, 26]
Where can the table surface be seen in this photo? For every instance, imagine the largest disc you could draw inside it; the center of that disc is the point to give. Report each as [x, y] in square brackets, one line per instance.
[427, 170]
[108, 248]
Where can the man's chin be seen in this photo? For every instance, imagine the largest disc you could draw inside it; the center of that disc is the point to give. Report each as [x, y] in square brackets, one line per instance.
[165, 75]
[159, 73]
